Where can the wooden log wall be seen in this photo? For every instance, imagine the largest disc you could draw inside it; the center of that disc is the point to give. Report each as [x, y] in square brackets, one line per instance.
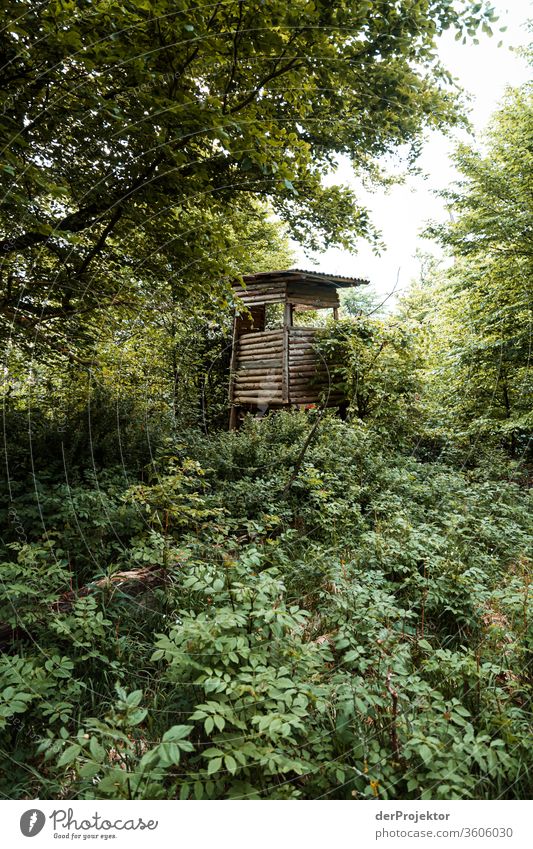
[305, 370]
[269, 370]
[259, 368]
[313, 295]
[269, 292]
[308, 375]
[276, 291]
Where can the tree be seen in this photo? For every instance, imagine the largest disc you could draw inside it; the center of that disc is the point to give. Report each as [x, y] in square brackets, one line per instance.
[487, 300]
[130, 131]
[362, 301]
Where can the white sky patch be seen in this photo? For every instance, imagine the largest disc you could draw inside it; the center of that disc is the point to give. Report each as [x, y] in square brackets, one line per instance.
[401, 213]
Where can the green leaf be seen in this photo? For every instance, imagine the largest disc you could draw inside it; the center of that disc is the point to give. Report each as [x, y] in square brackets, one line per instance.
[69, 755]
[177, 732]
[134, 698]
[214, 765]
[89, 769]
[231, 764]
[97, 751]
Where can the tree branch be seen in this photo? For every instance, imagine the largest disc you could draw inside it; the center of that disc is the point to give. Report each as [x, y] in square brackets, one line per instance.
[82, 218]
[115, 218]
[235, 51]
[277, 72]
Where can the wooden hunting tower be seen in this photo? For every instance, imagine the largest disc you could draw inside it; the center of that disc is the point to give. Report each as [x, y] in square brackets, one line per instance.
[278, 368]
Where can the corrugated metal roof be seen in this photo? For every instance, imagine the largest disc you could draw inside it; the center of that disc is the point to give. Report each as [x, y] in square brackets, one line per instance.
[303, 275]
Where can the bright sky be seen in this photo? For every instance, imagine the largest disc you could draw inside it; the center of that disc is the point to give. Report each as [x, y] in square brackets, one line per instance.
[484, 71]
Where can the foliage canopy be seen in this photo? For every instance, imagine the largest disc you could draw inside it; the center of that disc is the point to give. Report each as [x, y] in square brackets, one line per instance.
[137, 136]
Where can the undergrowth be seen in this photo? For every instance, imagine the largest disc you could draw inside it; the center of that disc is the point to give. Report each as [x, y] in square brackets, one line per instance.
[210, 632]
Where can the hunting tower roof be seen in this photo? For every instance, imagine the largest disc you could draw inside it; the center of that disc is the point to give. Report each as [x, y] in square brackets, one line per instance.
[301, 276]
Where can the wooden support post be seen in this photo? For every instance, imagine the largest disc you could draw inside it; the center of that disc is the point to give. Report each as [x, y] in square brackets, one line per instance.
[287, 324]
[232, 367]
[336, 313]
[233, 417]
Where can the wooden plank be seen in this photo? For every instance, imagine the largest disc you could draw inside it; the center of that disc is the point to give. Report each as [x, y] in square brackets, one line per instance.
[262, 375]
[271, 297]
[262, 343]
[257, 401]
[308, 375]
[259, 364]
[259, 391]
[245, 350]
[311, 286]
[250, 392]
[307, 370]
[261, 350]
[312, 303]
[299, 338]
[265, 292]
[255, 357]
[305, 397]
[252, 372]
[258, 377]
[298, 355]
[273, 280]
[264, 382]
[256, 286]
[311, 298]
[267, 335]
[268, 297]
[273, 353]
[247, 338]
[311, 290]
